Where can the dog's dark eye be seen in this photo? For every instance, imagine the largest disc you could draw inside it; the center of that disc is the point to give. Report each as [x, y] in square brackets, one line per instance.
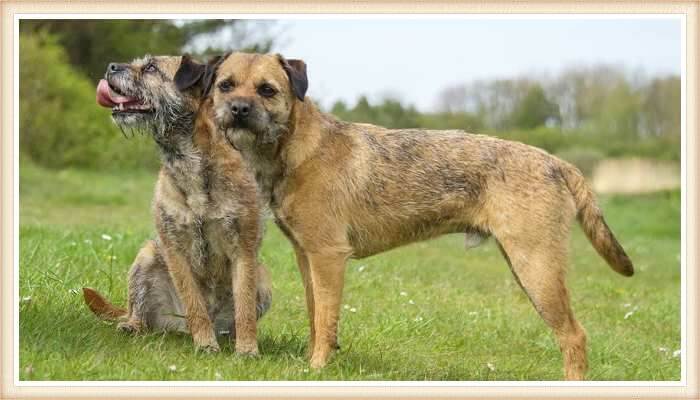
[149, 68]
[266, 90]
[225, 86]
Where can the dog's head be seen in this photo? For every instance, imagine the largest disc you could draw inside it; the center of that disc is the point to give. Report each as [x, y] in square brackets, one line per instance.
[152, 93]
[253, 95]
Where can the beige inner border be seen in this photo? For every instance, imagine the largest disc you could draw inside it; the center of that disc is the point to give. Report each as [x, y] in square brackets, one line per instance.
[10, 8]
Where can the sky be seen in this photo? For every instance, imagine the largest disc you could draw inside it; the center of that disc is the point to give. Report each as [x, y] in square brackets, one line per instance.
[413, 60]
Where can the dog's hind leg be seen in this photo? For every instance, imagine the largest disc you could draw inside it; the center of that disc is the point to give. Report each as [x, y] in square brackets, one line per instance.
[152, 299]
[540, 271]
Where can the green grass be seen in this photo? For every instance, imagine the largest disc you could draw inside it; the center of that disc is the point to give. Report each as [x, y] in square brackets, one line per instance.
[429, 311]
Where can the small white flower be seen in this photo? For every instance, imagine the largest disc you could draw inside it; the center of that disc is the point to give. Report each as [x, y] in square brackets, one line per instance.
[306, 370]
[418, 319]
[629, 314]
[172, 368]
[217, 376]
[663, 349]
[403, 294]
[106, 237]
[411, 301]
[676, 353]
[347, 307]
[490, 366]
[26, 299]
[353, 309]
[361, 268]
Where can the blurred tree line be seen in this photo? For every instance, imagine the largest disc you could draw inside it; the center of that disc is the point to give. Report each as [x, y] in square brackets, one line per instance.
[599, 98]
[582, 114]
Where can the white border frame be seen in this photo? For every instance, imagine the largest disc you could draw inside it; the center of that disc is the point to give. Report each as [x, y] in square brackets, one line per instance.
[408, 16]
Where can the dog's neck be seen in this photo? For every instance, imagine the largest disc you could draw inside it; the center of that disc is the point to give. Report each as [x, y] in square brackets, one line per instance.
[307, 126]
[183, 145]
[174, 137]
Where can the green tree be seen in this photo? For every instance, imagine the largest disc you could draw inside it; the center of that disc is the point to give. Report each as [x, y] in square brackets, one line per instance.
[661, 107]
[620, 111]
[59, 123]
[534, 110]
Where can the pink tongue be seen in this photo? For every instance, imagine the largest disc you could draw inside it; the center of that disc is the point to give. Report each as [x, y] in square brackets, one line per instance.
[106, 98]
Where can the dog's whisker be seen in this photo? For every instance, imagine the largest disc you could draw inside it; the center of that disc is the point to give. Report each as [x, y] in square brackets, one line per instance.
[121, 129]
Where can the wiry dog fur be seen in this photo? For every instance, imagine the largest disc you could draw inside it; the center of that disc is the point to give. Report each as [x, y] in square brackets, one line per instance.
[203, 264]
[345, 190]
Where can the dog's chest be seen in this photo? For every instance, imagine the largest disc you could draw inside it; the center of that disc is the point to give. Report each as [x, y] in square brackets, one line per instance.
[200, 222]
[191, 176]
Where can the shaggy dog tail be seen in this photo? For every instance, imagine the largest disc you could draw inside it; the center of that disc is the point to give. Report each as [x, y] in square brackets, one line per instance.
[591, 219]
[101, 306]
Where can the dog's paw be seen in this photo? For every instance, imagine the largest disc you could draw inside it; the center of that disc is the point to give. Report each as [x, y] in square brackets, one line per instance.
[247, 349]
[129, 327]
[321, 357]
[208, 348]
[318, 362]
[206, 343]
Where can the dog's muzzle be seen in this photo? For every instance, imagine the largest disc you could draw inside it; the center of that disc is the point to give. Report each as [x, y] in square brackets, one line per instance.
[241, 109]
[242, 112]
[114, 68]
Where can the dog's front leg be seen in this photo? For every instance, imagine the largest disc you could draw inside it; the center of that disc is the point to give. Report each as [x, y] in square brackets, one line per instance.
[191, 297]
[303, 264]
[327, 274]
[245, 279]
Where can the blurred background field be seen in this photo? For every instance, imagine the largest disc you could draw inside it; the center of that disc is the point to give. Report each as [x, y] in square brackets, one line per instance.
[428, 311]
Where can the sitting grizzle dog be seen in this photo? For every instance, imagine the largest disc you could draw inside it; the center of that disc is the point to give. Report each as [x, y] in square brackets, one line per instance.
[203, 264]
[346, 190]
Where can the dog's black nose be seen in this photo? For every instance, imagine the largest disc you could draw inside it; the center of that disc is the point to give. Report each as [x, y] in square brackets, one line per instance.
[115, 67]
[240, 108]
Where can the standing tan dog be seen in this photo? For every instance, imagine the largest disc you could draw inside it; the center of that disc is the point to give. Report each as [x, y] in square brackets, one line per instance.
[204, 263]
[342, 190]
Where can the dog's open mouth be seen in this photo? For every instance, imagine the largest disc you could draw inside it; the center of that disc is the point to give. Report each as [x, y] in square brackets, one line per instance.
[109, 96]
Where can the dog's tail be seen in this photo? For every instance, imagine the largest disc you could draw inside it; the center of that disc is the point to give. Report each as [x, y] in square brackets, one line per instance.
[591, 219]
[101, 306]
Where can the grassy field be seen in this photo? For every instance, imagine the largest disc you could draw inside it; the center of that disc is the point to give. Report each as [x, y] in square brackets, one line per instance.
[429, 311]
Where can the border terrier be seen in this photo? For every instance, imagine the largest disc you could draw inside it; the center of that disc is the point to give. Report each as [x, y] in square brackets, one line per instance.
[203, 264]
[344, 190]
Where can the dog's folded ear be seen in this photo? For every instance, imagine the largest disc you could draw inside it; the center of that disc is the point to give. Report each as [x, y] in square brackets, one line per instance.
[296, 72]
[189, 74]
[192, 74]
[210, 72]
